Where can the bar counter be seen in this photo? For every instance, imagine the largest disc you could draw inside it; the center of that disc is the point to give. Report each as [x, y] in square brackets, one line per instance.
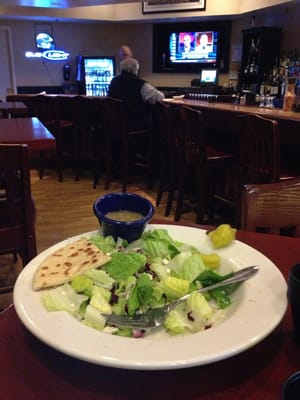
[221, 116]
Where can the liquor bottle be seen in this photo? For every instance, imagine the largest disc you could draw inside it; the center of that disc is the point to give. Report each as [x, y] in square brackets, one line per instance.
[297, 91]
[289, 99]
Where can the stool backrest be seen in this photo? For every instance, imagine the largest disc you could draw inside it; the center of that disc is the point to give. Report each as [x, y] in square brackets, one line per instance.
[271, 205]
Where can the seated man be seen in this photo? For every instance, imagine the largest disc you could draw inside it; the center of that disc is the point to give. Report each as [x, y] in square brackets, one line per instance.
[137, 94]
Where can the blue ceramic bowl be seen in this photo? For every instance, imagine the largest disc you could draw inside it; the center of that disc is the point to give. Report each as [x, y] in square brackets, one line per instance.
[123, 201]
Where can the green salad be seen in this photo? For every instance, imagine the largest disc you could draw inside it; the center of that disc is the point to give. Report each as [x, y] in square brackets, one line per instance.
[148, 273]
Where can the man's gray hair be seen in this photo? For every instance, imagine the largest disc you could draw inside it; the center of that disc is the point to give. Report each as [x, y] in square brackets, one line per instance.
[130, 65]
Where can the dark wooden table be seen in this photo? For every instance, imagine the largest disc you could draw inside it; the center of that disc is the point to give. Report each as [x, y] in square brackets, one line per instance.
[29, 131]
[31, 370]
[13, 109]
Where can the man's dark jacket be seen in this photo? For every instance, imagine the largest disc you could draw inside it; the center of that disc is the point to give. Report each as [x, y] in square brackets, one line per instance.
[127, 87]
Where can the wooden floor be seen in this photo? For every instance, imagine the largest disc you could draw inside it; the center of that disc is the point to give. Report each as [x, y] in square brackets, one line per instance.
[64, 210]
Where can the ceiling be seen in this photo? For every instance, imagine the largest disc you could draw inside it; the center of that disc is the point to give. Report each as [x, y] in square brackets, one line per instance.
[88, 10]
[61, 3]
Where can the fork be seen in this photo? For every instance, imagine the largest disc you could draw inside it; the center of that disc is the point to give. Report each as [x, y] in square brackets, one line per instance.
[156, 316]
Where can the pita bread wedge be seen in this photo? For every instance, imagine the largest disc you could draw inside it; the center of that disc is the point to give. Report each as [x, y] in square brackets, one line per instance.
[69, 261]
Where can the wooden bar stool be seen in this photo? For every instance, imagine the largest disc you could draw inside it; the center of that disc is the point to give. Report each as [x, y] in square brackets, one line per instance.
[258, 161]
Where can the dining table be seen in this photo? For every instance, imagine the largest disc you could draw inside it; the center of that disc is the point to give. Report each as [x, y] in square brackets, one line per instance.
[10, 109]
[31, 370]
[30, 131]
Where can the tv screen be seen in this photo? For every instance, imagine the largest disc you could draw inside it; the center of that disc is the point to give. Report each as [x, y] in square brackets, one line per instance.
[191, 46]
[209, 76]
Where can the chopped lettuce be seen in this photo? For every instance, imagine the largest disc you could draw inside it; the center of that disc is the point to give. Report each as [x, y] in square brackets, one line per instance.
[141, 294]
[178, 321]
[123, 265]
[101, 300]
[100, 278]
[93, 318]
[106, 244]
[63, 298]
[199, 310]
[147, 273]
[187, 265]
[174, 287]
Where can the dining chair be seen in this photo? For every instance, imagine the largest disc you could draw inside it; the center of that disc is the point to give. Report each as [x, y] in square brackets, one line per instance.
[17, 211]
[195, 167]
[258, 160]
[122, 145]
[273, 207]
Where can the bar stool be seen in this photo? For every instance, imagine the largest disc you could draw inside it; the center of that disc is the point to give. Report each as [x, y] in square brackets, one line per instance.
[273, 207]
[120, 145]
[83, 117]
[194, 168]
[258, 161]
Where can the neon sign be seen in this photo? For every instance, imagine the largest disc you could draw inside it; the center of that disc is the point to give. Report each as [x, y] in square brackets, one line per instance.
[53, 55]
[45, 42]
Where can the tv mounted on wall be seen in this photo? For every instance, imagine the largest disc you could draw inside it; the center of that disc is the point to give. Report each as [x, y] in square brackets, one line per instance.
[190, 46]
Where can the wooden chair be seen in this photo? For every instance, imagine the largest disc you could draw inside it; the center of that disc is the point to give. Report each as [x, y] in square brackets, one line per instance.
[83, 116]
[165, 119]
[258, 162]
[121, 144]
[17, 213]
[192, 163]
[272, 206]
[56, 115]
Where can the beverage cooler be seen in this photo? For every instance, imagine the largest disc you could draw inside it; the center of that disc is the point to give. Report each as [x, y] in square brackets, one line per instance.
[94, 74]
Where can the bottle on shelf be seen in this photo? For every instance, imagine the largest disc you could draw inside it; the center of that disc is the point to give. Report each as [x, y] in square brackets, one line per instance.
[289, 100]
[297, 92]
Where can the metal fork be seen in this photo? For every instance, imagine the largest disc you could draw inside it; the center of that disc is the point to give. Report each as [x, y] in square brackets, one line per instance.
[157, 316]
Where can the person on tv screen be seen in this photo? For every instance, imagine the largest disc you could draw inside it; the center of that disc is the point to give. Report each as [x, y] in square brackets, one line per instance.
[186, 45]
[137, 94]
[203, 47]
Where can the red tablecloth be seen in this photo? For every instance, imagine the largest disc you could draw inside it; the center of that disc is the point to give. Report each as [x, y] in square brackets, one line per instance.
[31, 370]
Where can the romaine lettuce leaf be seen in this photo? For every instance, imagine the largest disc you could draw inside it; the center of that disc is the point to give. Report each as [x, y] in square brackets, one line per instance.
[187, 265]
[174, 287]
[100, 299]
[177, 321]
[93, 318]
[63, 298]
[123, 265]
[106, 244]
[198, 309]
[100, 278]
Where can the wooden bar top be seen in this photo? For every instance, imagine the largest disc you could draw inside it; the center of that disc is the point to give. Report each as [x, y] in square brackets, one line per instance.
[274, 113]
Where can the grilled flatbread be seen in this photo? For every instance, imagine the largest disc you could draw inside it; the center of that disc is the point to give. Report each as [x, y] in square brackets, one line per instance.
[69, 261]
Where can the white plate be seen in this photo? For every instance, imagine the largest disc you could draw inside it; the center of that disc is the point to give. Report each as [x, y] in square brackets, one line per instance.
[258, 307]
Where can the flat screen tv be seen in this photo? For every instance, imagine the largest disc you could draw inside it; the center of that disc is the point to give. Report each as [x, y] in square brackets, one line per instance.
[191, 46]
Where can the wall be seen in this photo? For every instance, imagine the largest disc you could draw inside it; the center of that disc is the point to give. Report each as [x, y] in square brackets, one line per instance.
[105, 39]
